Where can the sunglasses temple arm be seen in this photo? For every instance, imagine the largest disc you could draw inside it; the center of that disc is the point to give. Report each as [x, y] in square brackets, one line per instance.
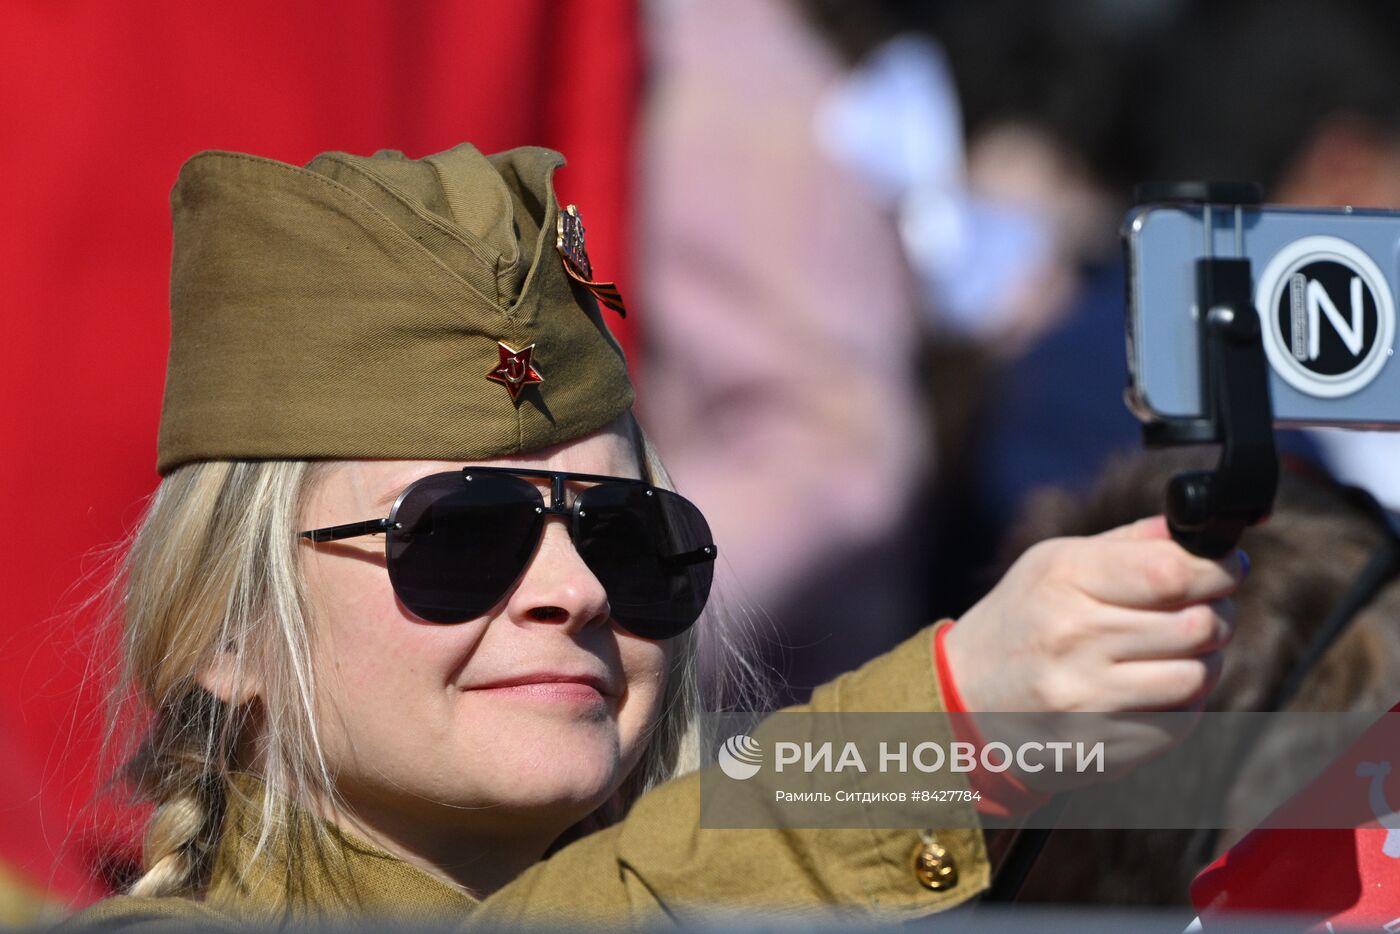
[687, 558]
[349, 530]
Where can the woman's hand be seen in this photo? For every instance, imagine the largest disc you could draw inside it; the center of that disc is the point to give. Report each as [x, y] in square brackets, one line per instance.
[1119, 622]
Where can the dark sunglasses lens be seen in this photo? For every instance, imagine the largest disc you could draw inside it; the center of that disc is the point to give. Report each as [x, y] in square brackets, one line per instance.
[462, 544]
[652, 552]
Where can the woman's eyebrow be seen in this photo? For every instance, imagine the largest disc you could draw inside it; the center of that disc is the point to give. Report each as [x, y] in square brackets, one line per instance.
[384, 502]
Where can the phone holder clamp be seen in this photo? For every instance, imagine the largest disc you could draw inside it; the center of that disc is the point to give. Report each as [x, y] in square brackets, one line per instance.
[1208, 510]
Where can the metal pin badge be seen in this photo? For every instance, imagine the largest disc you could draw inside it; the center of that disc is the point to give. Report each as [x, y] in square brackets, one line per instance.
[570, 244]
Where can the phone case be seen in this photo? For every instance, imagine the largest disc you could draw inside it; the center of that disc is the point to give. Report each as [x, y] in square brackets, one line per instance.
[1325, 288]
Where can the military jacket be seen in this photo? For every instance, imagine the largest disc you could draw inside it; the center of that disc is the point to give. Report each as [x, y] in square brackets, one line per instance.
[655, 867]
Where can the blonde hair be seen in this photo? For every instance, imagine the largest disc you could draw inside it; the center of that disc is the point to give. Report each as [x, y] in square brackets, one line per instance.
[212, 580]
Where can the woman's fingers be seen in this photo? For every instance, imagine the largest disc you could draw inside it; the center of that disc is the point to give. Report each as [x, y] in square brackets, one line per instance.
[1153, 527]
[1162, 684]
[1121, 622]
[1074, 619]
[1139, 635]
[1152, 573]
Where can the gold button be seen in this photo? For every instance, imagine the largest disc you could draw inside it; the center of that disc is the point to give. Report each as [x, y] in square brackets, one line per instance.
[934, 866]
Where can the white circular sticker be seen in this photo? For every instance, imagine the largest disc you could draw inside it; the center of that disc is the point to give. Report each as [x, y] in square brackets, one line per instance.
[1328, 315]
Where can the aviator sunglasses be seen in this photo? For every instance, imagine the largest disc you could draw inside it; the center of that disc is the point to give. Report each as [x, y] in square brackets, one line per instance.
[457, 542]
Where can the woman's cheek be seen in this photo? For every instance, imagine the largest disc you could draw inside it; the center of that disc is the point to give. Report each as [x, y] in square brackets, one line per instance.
[646, 665]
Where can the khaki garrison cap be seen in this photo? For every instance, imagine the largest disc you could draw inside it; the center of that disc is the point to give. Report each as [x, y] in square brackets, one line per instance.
[380, 307]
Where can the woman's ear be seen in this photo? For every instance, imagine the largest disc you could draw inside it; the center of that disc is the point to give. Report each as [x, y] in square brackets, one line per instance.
[230, 678]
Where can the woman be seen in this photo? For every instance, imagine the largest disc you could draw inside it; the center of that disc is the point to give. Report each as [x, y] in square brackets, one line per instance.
[412, 607]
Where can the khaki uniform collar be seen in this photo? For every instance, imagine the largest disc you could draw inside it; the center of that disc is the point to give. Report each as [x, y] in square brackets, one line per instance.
[313, 869]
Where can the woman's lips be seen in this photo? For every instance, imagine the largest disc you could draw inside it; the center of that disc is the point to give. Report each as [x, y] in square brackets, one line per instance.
[548, 686]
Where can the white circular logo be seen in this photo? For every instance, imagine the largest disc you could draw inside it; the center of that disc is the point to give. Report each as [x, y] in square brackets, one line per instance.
[740, 757]
[1328, 316]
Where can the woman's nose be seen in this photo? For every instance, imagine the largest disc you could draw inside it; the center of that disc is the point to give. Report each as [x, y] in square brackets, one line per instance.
[557, 587]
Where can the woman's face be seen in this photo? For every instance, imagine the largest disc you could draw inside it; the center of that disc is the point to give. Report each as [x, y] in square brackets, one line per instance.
[420, 730]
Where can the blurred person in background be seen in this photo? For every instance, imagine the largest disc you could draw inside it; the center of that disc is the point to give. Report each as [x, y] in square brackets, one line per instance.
[1046, 92]
[884, 262]
[806, 230]
[781, 348]
[1285, 600]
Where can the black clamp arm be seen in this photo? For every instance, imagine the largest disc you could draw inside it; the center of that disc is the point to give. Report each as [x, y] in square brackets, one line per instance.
[1208, 511]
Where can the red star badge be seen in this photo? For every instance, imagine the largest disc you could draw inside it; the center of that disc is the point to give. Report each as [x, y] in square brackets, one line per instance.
[515, 371]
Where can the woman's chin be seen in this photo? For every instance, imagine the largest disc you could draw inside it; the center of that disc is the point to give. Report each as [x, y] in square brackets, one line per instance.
[569, 789]
[568, 773]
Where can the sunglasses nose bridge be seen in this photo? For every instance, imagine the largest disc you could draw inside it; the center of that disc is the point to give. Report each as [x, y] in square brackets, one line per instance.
[557, 585]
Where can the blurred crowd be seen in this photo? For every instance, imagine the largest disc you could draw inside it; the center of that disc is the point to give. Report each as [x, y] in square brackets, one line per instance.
[879, 259]
[877, 292]
[878, 252]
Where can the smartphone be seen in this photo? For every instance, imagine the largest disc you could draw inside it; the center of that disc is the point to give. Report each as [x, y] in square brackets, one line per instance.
[1325, 285]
